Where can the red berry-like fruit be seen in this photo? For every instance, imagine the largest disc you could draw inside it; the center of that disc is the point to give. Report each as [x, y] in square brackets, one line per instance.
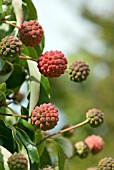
[31, 33]
[45, 117]
[95, 143]
[52, 64]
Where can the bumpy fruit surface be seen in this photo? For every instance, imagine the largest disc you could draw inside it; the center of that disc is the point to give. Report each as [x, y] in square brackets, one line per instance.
[95, 117]
[78, 71]
[10, 48]
[17, 161]
[31, 33]
[82, 149]
[106, 163]
[95, 143]
[45, 116]
[52, 64]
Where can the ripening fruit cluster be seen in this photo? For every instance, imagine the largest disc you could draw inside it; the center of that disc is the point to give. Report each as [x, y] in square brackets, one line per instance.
[52, 63]
[93, 144]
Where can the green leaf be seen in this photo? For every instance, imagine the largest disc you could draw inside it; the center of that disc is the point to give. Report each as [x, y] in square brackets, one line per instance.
[62, 158]
[27, 127]
[30, 147]
[3, 87]
[29, 51]
[17, 77]
[38, 136]
[39, 48]
[45, 159]
[34, 86]
[6, 69]
[24, 111]
[2, 98]
[17, 5]
[6, 138]
[44, 91]
[31, 10]
[66, 145]
[9, 120]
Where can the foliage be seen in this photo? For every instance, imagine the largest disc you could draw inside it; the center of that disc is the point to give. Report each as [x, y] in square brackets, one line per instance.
[17, 130]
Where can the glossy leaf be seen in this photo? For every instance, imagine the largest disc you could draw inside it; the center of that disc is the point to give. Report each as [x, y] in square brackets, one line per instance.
[30, 147]
[6, 138]
[66, 145]
[31, 10]
[6, 70]
[27, 127]
[17, 77]
[34, 86]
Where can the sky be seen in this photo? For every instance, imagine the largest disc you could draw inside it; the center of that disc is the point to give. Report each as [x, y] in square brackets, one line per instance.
[64, 27]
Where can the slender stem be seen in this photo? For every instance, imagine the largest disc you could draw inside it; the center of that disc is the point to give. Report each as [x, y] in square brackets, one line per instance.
[9, 23]
[62, 131]
[15, 115]
[28, 58]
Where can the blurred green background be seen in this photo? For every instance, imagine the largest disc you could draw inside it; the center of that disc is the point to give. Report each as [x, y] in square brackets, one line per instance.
[95, 46]
[97, 92]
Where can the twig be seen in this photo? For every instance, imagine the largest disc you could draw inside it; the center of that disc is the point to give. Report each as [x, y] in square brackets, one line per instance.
[62, 131]
[9, 23]
[15, 115]
[28, 58]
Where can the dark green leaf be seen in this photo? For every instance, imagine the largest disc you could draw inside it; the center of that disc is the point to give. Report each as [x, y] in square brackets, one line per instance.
[34, 84]
[24, 111]
[30, 147]
[31, 10]
[27, 127]
[38, 136]
[6, 138]
[2, 98]
[45, 159]
[25, 11]
[6, 70]
[66, 145]
[3, 87]
[44, 91]
[39, 48]
[17, 77]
